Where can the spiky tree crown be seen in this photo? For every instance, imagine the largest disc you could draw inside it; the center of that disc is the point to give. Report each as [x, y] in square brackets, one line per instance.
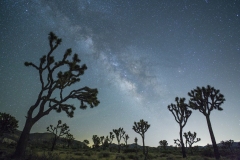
[180, 111]
[191, 138]
[49, 83]
[141, 127]
[206, 99]
[119, 133]
[64, 129]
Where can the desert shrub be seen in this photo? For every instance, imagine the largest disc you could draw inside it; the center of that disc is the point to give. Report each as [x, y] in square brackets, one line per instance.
[166, 151]
[88, 154]
[120, 157]
[207, 153]
[130, 156]
[105, 154]
[170, 158]
[150, 156]
[163, 155]
[78, 154]
[129, 150]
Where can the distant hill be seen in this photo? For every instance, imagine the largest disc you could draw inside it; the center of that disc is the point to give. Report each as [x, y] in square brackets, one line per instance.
[38, 138]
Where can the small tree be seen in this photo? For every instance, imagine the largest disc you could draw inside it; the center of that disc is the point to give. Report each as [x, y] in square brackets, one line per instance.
[205, 100]
[191, 139]
[8, 123]
[119, 134]
[181, 115]
[96, 141]
[52, 94]
[111, 137]
[228, 144]
[163, 143]
[126, 137]
[141, 127]
[136, 144]
[58, 131]
[69, 138]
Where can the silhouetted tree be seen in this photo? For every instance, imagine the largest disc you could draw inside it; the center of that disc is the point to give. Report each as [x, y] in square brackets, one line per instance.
[141, 127]
[190, 139]
[119, 134]
[110, 140]
[177, 142]
[102, 140]
[69, 137]
[68, 74]
[163, 143]
[96, 141]
[8, 123]
[58, 131]
[181, 115]
[126, 137]
[205, 100]
[228, 144]
[136, 144]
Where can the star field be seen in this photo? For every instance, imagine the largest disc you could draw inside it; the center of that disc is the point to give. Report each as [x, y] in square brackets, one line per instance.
[140, 55]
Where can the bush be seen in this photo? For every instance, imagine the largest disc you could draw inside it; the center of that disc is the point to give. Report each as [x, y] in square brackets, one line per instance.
[129, 150]
[207, 153]
[78, 154]
[131, 156]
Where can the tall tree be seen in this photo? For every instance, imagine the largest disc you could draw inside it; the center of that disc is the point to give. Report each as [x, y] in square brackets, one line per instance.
[58, 131]
[181, 114]
[163, 143]
[68, 74]
[8, 123]
[205, 100]
[119, 134]
[141, 127]
[191, 139]
[96, 141]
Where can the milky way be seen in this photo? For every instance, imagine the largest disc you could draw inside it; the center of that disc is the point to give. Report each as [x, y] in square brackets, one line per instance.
[140, 55]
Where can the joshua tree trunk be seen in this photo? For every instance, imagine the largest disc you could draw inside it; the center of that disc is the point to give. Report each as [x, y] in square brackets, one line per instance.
[118, 147]
[182, 144]
[23, 140]
[215, 147]
[54, 142]
[143, 145]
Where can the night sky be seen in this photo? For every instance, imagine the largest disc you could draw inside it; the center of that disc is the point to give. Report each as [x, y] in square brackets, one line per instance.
[140, 56]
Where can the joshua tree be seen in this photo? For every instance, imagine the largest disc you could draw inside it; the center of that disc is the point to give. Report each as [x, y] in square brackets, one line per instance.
[58, 131]
[163, 143]
[181, 115]
[136, 143]
[126, 137]
[96, 141]
[110, 140]
[205, 100]
[8, 123]
[119, 134]
[190, 139]
[69, 138]
[52, 94]
[141, 127]
[228, 144]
